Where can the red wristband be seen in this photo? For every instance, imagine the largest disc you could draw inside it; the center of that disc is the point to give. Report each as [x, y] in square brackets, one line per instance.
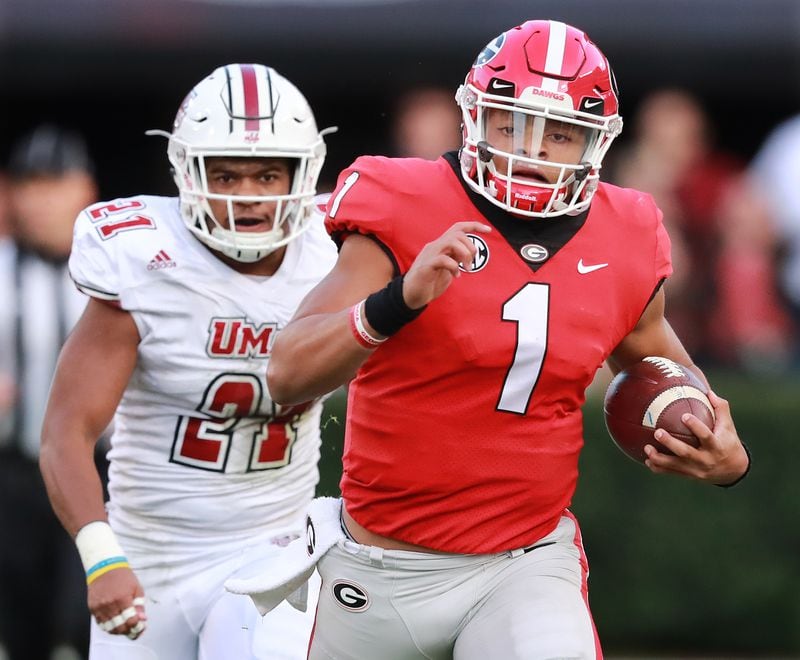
[360, 333]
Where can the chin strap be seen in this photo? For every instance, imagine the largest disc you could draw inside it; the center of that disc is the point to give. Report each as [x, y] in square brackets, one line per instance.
[484, 154]
[582, 173]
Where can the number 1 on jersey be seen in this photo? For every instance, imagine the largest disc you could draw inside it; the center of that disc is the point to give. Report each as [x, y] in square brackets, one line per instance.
[529, 308]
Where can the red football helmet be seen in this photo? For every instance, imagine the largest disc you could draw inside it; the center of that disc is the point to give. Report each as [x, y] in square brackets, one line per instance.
[550, 85]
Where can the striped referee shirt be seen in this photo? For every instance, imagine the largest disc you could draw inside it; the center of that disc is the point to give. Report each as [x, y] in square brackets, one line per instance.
[40, 305]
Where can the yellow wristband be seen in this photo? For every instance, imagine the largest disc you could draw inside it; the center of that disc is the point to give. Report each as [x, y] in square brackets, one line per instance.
[104, 567]
[99, 550]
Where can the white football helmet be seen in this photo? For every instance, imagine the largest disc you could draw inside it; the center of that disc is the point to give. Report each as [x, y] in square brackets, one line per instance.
[245, 110]
[539, 72]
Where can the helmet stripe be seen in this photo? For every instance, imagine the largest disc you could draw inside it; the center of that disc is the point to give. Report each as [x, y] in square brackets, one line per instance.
[250, 91]
[229, 88]
[554, 62]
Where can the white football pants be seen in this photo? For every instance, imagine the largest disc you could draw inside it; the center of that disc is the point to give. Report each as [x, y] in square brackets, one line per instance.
[194, 618]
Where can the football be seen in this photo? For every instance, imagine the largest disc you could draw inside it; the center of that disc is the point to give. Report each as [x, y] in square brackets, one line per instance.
[650, 394]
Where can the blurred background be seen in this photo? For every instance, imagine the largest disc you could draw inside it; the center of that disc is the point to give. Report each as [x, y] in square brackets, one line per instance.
[115, 68]
[711, 99]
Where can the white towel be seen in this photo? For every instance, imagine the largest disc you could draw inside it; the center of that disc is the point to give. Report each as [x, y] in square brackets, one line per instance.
[287, 577]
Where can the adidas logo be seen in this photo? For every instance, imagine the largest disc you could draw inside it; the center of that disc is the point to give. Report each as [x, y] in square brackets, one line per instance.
[161, 260]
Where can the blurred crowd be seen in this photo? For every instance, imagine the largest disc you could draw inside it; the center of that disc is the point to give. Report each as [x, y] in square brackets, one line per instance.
[734, 226]
[734, 297]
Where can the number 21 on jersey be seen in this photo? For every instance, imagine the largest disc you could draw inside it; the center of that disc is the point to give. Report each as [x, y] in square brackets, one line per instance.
[230, 406]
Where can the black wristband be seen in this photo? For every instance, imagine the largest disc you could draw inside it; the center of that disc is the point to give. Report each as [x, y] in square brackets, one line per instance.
[386, 310]
[746, 472]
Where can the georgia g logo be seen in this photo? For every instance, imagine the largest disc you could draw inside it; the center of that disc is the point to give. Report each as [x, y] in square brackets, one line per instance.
[481, 257]
[350, 596]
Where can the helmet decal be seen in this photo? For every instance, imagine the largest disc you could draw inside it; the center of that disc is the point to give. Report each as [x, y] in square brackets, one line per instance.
[593, 105]
[490, 50]
[502, 87]
[181, 114]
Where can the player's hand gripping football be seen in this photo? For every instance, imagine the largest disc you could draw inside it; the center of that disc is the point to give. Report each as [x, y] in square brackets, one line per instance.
[437, 263]
[719, 459]
[116, 600]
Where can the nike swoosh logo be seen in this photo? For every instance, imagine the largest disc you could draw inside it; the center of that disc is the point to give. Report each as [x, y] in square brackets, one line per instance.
[496, 84]
[590, 104]
[583, 268]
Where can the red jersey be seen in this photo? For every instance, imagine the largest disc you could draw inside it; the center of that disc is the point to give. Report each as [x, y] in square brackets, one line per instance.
[464, 429]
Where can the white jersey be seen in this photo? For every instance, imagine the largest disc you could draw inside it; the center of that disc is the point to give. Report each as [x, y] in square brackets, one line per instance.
[200, 454]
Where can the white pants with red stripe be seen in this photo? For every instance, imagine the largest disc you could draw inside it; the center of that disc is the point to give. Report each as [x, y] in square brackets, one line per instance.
[400, 605]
